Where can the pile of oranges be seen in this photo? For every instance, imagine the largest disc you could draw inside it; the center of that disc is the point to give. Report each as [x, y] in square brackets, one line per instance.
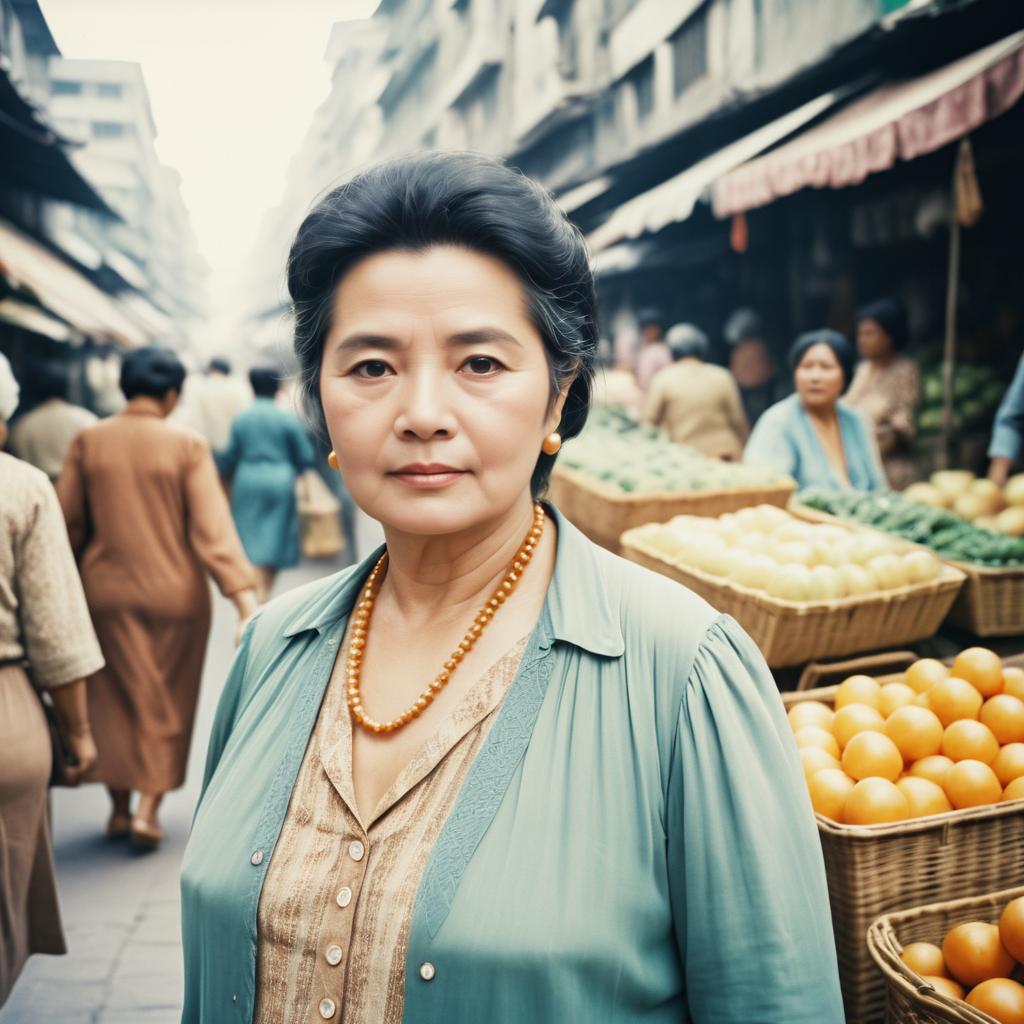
[978, 957]
[942, 739]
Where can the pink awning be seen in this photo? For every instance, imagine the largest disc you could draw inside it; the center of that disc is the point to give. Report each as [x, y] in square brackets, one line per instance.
[894, 122]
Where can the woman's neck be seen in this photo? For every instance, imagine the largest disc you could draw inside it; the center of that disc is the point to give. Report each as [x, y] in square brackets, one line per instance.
[822, 414]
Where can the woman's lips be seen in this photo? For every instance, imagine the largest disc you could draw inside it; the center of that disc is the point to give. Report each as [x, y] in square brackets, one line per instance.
[429, 481]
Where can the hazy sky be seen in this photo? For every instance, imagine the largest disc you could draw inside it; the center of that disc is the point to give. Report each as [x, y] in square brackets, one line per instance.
[233, 85]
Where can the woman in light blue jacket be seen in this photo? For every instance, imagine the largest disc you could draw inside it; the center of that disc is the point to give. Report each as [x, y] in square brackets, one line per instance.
[493, 773]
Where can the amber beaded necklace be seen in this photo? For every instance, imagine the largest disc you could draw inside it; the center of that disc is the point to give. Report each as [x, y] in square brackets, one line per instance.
[361, 627]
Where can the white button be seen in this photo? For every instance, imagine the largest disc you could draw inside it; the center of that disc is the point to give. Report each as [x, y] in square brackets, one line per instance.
[356, 850]
[333, 955]
[257, 858]
[427, 972]
[331, 642]
[327, 1008]
[344, 897]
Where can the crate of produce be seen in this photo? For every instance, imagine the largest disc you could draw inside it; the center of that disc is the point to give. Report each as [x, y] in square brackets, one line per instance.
[904, 817]
[802, 591]
[950, 961]
[617, 475]
[991, 602]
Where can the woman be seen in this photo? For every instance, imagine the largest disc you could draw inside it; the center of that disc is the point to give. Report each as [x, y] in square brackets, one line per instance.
[886, 386]
[813, 436]
[524, 792]
[266, 452]
[695, 403]
[148, 520]
[44, 627]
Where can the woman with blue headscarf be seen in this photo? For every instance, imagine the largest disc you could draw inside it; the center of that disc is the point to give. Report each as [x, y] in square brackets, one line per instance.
[812, 435]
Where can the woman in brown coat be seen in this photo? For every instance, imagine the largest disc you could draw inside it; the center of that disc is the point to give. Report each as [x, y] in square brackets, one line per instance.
[148, 520]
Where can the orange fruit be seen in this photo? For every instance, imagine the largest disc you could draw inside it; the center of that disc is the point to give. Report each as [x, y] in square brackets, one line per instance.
[859, 690]
[871, 755]
[829, 789]
[924, 958]
[968, 740]
[954, 698]
[916, 731]
[934, 768]
[814, 759]
[814, 736]
[893, 696]
[853, 719]
[971, 784]
[981, 668]
[1001, 998]
[924, 797]
[924, 673]
[874, 801]
[1009, 763]
[810, 712]
[974, 953]
[1004, 715]
[1011, 928]
[1014, 791]
[946, 986]
[1013, 681]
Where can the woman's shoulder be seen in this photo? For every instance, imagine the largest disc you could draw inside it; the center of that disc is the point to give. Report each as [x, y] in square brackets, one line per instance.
[25, 486]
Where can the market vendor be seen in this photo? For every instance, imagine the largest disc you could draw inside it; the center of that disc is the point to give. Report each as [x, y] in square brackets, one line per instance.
[1005, 447]
[812, 435]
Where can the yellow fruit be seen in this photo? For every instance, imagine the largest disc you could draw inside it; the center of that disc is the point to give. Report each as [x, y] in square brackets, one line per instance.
[829, 789]
[875, 801]
[924, 673]
[1011, 928]
[981, 668]
[924, 958]
[893, 696]
[934, 768]
[854, 719]
[810, 712]
[974, 953]
[971, 784]
[924, 797]
[1013, 681]
[814, 759]
[1009, 763]
[916, 731]
[1014, 791]
[953, 698]
[1001, 998]
[813, 736]
[859, 690]
[946, 986]
[1004, 715]
[968, 740]
[872, 755]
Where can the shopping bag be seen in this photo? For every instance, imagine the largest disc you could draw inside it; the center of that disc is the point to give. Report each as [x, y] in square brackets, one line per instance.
[319, 517]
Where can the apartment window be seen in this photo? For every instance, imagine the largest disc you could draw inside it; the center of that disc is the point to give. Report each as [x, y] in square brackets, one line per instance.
[107, 130]
[60, 88]
[110, 90]
[690, 52]
[641, 78]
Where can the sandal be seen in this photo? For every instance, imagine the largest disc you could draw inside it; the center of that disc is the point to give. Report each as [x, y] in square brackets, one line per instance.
[145, 835]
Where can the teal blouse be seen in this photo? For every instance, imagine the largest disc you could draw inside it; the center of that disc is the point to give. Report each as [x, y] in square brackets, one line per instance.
[633, 843]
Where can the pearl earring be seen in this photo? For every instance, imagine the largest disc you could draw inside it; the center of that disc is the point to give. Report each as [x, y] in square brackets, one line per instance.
[551, 444]
[332, 460]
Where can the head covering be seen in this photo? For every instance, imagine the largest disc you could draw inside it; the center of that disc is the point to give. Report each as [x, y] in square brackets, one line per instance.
[842, 349]
[742, 324]
[890, 315]
[687, 340]
[9, 389]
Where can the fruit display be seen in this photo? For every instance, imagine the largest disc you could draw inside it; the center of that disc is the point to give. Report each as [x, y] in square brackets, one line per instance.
[767, 550]
[977, 392]
[980, 501]
[975, 963]
[948, 534]
[939, 739]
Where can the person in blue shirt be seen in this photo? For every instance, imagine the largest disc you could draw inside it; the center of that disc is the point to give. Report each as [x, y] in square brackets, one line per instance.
[812, 435]
[493, 772]
[1008, 431]
[266, 452]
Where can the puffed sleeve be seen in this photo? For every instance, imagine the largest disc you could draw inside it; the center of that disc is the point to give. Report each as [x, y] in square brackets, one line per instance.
[748, 890]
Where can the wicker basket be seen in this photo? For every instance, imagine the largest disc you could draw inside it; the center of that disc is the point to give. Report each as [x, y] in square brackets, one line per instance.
[604, 513]
[877, 869]
[794, 632]
[911, 999]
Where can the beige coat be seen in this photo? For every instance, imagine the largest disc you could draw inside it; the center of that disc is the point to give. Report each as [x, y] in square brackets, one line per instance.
[148, 520]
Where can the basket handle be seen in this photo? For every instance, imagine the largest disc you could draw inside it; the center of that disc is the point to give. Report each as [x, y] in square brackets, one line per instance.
[815, 671]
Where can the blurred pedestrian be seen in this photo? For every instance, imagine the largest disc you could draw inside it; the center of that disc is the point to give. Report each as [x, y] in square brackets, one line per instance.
[43, 435]
[886, 386]
[44, 631]
[210, 403]
[812, 435]
[1008, 430]
[148, 520]
[695, 403]
[266, 452]
[654, 354]
[751, 364]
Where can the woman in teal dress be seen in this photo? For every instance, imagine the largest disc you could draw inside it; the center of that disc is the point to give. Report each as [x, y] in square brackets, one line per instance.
[631, 838]
[267, 450]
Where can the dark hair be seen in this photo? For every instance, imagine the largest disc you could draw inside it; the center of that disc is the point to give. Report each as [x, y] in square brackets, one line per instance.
[687, 340]
[461, 199]
[218, 364]
[265, 381]
[51, 380]
[651, 316]
[151, 372]
[841, 348]
[890, 315]
[743, 324]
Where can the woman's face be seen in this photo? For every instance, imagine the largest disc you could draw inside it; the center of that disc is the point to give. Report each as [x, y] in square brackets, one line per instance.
[873, 342]
[435, 387]
[819, 377]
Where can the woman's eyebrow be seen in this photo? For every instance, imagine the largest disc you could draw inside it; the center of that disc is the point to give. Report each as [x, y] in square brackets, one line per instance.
[359, 341]
[482, 335]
